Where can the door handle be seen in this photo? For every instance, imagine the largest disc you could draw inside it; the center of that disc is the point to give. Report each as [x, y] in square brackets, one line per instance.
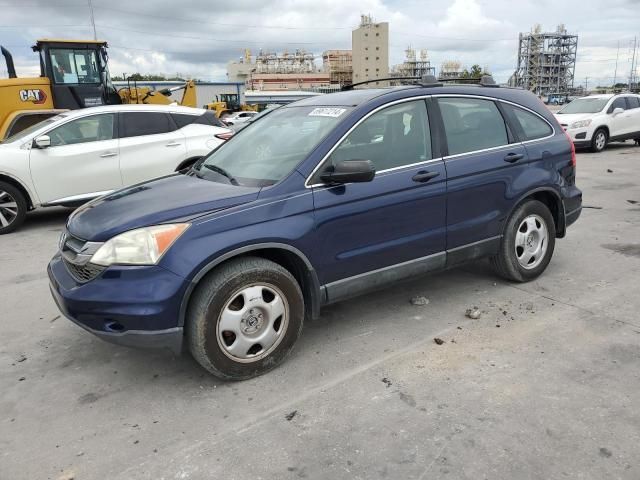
[513, 157]
[173, 144]
[108, 154]
[423, 176]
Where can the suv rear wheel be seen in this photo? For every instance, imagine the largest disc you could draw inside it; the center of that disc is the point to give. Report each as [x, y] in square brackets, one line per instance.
[599, 140]
[527, 244]
[244, 318]
[13, 208]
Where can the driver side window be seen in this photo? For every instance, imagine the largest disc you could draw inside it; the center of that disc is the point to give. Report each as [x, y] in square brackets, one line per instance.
[393, 137]
[86, 129]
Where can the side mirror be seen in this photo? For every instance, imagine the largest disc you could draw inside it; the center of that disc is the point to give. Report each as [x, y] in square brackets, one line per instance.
[43, 141]
[617, 111]
[348, 171]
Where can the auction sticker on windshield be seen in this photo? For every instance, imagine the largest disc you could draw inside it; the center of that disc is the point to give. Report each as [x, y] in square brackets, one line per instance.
[327, 112]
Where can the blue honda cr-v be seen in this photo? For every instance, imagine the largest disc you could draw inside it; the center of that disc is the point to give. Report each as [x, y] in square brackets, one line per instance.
[316, 202]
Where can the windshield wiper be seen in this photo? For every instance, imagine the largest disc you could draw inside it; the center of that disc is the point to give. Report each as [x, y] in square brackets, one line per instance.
[222, 172]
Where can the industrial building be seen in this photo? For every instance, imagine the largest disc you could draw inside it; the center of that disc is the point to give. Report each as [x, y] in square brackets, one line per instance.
[370, 47]
[546, 61]
[368, 59]
[451, 69]
[339, 64]
[413, 66]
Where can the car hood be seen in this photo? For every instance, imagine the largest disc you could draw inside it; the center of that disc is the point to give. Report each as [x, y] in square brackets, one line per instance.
[176, 197]
[569, 118]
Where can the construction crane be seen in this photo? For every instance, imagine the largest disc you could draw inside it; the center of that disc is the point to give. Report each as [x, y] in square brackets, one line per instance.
[73, 74]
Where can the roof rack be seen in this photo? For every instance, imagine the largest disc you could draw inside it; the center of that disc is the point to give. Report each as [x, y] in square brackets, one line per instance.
[431, 81]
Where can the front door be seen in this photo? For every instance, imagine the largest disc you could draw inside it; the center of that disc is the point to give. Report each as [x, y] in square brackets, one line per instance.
[150, 146]
[81, 163]
[389, 228]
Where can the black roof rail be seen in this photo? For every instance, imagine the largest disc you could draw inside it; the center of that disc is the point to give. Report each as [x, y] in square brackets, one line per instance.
[430, 81]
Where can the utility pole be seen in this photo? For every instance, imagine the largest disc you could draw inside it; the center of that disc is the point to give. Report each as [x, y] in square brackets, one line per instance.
[93, 21]
[586, 85]
[615, 72]
[633, 62]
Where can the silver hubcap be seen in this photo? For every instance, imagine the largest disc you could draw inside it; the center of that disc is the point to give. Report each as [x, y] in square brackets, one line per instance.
[531, 242]
[253, 322]
[8, 209]
[601, 139]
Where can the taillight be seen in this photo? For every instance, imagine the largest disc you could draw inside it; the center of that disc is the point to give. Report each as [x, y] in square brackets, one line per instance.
[573, 150]
[224, 136]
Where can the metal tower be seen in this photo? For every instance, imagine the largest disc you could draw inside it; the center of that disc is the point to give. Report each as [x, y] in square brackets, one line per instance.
[546, 61]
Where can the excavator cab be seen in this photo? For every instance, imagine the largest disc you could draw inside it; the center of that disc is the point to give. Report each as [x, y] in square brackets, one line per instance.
[73, 74]
[78, 73]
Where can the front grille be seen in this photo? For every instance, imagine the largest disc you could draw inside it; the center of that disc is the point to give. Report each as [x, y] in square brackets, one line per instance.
[76, 254]
[83, 273]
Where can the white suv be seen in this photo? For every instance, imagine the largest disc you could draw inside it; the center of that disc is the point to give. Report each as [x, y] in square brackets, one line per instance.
[597, 120]
[79, 155]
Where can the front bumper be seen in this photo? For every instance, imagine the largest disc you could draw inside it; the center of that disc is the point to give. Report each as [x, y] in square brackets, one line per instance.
[581, 137]
[132, 306]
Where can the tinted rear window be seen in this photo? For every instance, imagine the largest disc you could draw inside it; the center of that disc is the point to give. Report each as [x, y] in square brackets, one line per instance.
[135, 124]
[209, 118]
[531, 125]
[182, 120]
[634, 102]
[472, 124]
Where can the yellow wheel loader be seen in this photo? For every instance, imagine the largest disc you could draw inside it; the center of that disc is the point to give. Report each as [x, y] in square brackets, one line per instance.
[73, 74]
[228, 103]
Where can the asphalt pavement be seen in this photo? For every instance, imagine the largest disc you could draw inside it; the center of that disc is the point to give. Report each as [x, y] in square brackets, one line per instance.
[544, 385]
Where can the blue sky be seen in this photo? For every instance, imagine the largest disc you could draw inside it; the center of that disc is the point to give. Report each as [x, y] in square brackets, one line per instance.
[198, 40]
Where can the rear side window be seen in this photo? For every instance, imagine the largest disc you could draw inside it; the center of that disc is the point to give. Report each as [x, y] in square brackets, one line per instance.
[472, 124]
[634, 102]
[618, 103]
[209, 118]
[135, 124]
[182, 120]
[531, 125]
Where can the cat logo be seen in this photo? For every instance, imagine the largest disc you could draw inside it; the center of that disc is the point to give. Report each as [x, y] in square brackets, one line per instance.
[34, 96]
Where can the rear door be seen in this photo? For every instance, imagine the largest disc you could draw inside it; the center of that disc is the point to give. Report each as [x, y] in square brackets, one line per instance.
[82, 161]
[150, 146]
[485, 164]
[371, 233]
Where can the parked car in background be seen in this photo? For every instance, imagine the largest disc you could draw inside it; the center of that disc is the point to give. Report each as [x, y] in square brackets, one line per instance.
[239, 126]
[79, 155]
[352, 191]
[239, 117]
[596, 120]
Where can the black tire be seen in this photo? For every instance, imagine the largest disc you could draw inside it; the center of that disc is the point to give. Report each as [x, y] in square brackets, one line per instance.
[215, 292]
[11, 217]
[506, 262]
[596, 145]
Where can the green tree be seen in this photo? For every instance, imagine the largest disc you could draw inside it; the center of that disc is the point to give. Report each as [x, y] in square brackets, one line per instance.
[476, 71]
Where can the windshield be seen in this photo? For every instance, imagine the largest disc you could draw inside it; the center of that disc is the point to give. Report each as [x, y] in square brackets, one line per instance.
[585, 105]
[22, 134]
[74, 66]
[269, 149]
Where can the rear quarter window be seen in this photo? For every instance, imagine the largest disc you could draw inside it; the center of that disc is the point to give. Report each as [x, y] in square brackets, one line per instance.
[531, 126]
[634, 102]
[135, 124]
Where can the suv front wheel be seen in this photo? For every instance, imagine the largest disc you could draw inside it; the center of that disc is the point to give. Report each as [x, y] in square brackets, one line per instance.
[599, 140]
[244, 318]
[528, 243]
[13, 208]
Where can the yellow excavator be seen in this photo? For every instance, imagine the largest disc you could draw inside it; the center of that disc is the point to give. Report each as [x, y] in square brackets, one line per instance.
[73, 74]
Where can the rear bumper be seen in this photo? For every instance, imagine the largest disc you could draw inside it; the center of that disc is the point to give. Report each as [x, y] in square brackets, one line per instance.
[572, 205]
[132, 306]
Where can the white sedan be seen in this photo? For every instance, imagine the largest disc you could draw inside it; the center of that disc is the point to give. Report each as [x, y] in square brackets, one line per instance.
[239, 117]
[82, 154]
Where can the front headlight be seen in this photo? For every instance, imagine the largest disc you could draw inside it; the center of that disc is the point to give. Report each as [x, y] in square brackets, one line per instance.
[144, 246]
[580, 124]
